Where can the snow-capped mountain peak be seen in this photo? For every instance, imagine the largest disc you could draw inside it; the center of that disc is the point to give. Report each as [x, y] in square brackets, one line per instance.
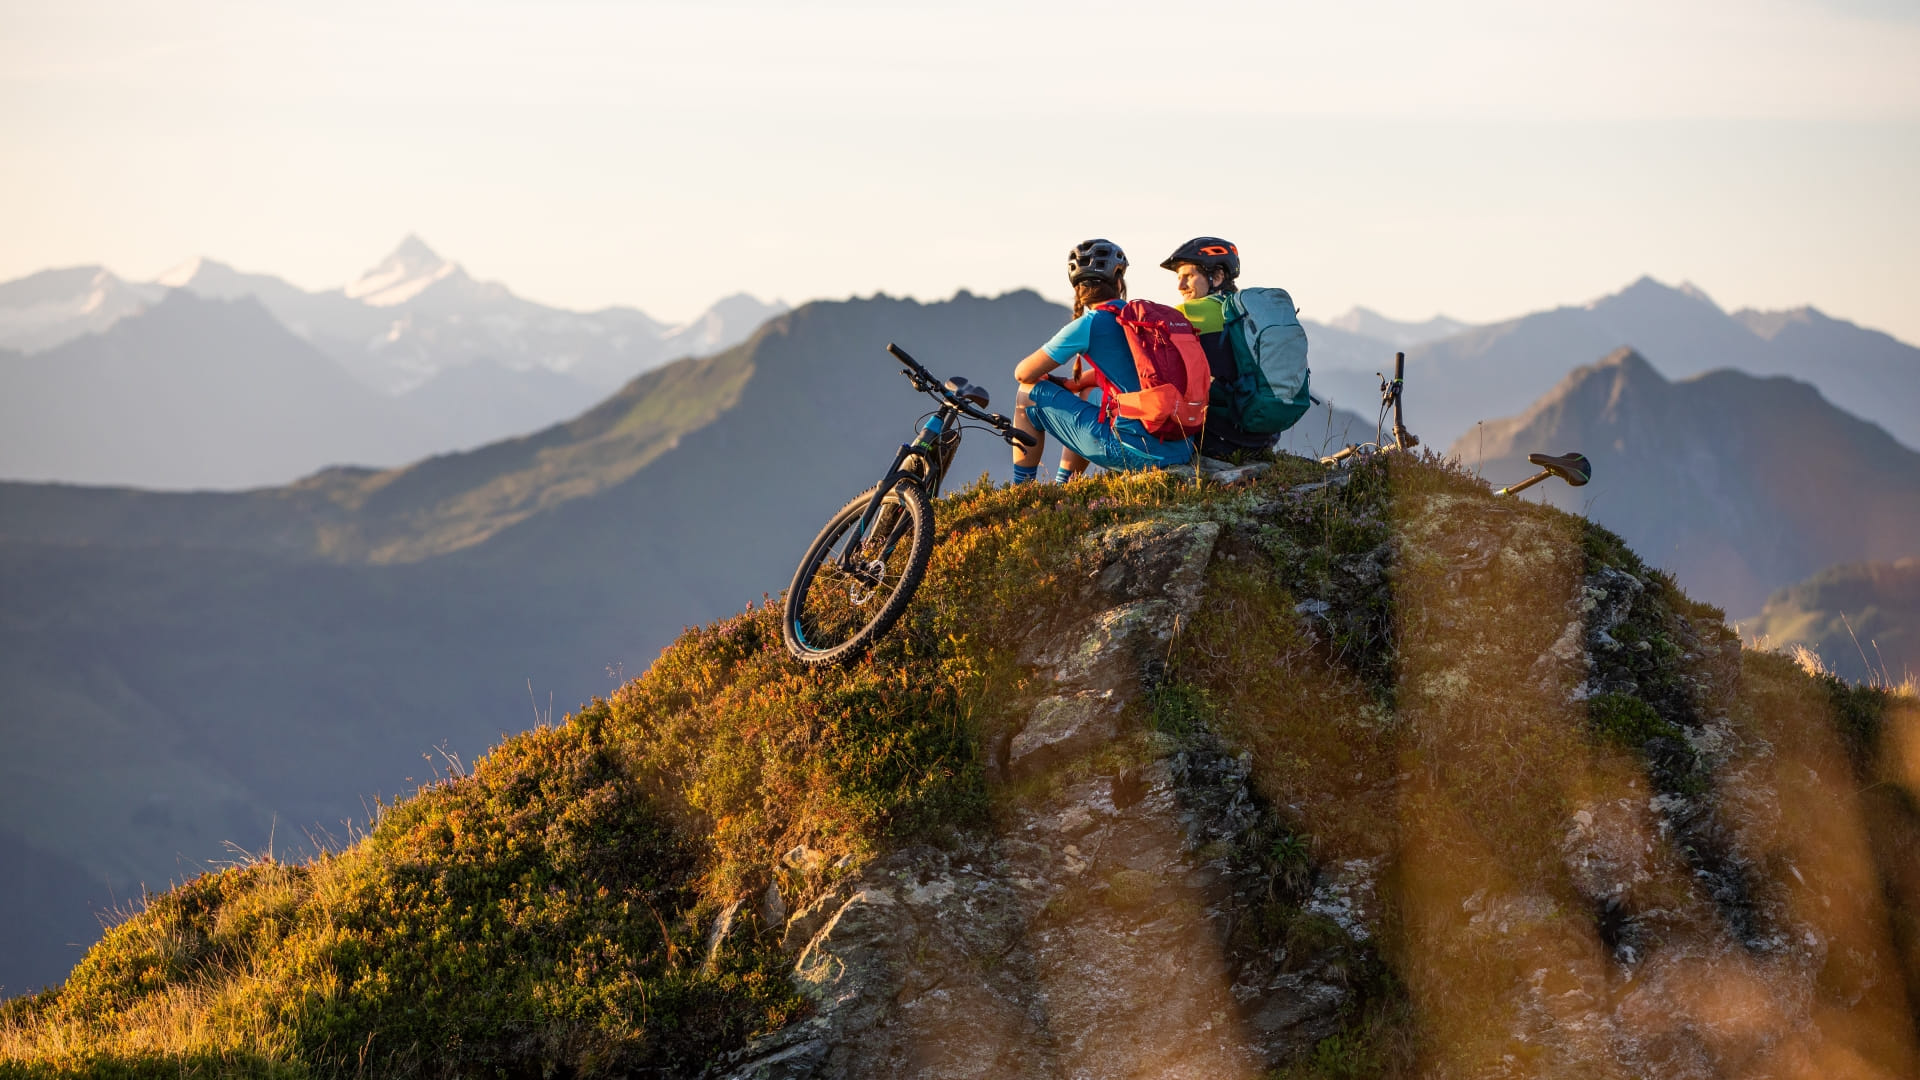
[179, 277]
[402, 275]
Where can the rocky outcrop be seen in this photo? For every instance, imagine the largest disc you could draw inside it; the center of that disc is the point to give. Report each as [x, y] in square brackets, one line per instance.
[1092, 936]
[1111, 926]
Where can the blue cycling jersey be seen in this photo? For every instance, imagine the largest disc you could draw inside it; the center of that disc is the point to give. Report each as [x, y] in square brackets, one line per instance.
[1098, 337]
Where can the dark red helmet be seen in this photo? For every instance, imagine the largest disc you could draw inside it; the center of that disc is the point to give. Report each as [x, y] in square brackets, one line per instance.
[1209, 253]
[1095, 260]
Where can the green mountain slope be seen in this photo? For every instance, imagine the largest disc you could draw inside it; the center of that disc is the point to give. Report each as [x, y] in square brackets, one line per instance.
[186, 670]
[439, 505]
[1380, 777]
[1862, 619]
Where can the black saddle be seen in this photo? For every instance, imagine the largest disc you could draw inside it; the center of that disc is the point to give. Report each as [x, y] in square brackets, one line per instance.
[1575, 469]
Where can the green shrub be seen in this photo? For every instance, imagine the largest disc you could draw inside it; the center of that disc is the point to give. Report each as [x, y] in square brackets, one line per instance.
[1626, 720]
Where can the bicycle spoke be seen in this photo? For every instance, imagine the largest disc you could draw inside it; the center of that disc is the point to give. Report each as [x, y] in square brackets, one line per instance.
[842, 598]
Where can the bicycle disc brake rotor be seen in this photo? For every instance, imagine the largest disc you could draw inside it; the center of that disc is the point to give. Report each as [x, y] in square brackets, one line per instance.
[866, 577]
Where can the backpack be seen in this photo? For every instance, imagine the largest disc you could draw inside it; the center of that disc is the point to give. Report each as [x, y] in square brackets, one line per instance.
[1270, 393]
[1172, 400]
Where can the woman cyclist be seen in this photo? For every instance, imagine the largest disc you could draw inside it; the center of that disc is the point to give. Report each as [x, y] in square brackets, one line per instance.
[1046, 404]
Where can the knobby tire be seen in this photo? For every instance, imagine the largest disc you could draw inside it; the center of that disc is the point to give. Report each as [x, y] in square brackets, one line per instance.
[832, 618]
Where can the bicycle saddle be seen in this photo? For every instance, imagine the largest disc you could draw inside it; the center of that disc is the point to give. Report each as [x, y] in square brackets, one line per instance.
[1574, 468]
[959, 387]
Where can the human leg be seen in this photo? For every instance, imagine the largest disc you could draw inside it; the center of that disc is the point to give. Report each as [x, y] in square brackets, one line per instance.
[1076, 425]
[1026, 459]
[1071, 463]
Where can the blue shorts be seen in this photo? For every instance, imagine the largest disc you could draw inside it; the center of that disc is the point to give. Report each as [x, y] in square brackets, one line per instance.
[1076, 424]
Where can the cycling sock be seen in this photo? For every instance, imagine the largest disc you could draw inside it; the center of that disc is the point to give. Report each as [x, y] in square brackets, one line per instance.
[1025, 474]
[1062, 475]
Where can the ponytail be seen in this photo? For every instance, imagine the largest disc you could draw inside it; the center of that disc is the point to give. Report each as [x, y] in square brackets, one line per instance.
[1095, 291]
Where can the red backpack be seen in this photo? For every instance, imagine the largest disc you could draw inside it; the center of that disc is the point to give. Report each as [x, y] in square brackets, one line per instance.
[1174, 377]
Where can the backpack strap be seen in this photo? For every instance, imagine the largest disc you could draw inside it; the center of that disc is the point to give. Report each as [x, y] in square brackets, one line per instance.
[1109, 400]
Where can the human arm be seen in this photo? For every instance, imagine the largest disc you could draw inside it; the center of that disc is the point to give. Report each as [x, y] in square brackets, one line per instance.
[1034, 368]
[1072, 340]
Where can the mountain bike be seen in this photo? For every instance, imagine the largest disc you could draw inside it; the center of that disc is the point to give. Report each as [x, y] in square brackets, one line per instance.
[1573, 467]
[862, 570]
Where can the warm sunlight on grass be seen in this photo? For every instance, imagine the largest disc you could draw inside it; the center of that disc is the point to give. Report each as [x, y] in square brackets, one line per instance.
[1708, 847]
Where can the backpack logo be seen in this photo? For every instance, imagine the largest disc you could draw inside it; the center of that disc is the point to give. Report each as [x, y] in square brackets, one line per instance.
[1174, 378]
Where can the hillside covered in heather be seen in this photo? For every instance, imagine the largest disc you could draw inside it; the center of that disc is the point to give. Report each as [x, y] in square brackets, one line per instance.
[1324, 774]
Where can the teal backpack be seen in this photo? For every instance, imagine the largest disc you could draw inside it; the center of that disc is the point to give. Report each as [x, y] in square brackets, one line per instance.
[1270, 349]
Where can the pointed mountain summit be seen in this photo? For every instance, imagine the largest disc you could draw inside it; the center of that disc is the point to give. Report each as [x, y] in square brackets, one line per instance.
[1501, 369]
[1369, 323]
[183, 275]
[729, 320]
[402, 275]
[1738, 484]
[1649, 291]
[42, 310]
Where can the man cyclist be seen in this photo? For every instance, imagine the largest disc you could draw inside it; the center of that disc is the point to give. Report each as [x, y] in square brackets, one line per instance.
[1048, 405]
[1205, 268]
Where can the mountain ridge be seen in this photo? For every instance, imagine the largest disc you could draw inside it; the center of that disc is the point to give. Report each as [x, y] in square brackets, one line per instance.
[1726, 479]
[1500, 369]
[1861, 619]
[443, 587]
[463, 363]
[1303, 775]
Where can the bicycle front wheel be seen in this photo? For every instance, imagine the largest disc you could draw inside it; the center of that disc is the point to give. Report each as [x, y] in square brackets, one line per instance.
[851, 586]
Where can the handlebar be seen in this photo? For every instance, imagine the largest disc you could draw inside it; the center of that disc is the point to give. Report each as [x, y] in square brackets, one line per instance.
[1407, 439]
[924, 381]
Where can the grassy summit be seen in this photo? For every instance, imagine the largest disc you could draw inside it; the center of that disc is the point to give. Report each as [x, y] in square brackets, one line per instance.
[1392, 657]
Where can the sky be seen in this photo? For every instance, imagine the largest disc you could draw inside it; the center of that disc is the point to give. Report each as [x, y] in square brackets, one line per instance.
[1480, 159]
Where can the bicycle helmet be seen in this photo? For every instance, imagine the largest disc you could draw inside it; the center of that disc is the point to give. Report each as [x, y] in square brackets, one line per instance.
[1209, 253]
[1095, 260]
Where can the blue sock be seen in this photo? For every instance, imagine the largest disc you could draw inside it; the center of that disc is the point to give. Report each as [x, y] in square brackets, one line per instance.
[1025, 474]
[1062, 475]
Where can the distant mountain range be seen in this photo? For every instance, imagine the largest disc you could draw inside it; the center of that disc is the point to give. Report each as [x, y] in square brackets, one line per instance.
[1737, 484]
[1488, 372]
[1367, 323]
[445, 362]
[183, 669]
[180, 669]
[468, 362]
[1862, 619]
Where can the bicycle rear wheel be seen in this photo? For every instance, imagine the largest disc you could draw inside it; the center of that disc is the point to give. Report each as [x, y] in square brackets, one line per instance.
[850, 588]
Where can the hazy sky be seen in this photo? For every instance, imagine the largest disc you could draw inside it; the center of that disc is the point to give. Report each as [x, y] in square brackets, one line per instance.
[1479, 158]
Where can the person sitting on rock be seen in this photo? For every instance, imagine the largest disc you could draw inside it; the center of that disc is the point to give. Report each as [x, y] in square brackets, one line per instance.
[1046, 404]
[1205, 268]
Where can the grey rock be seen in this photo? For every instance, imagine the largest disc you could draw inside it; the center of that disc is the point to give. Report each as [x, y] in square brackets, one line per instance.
[717, 935]
[1061, 728]
[1225, 472]
[1116, 643]
[805, 859]
[1088, 937]
[1158, 559]
[794, 1062]
[773, 906]
[806, 922]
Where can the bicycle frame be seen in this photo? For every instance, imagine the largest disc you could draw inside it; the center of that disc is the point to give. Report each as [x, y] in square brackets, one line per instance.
[932, 450]
[932, 472]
